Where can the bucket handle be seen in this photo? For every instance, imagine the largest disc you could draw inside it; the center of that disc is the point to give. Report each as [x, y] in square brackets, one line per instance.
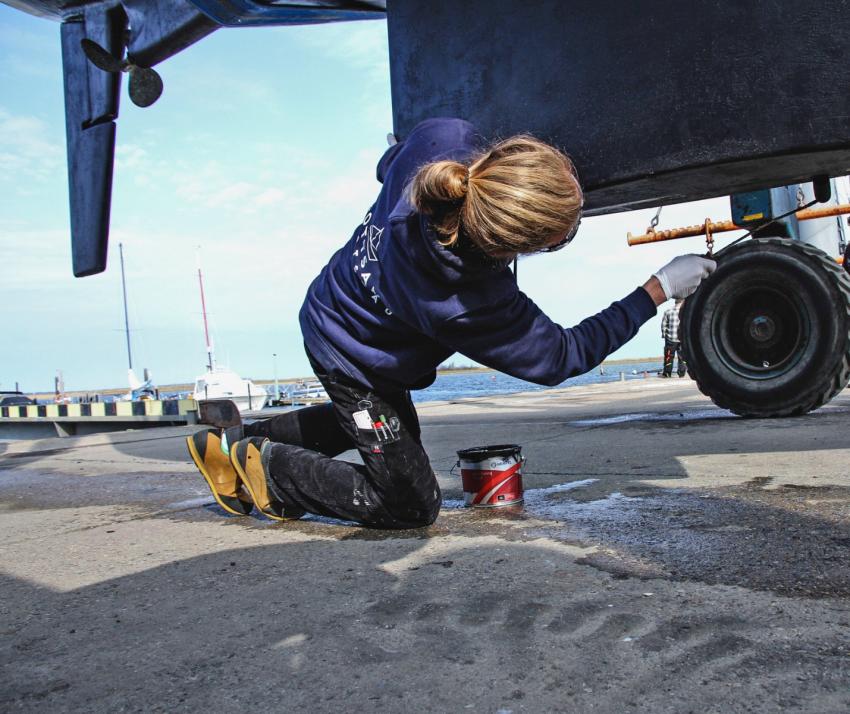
[522, 459]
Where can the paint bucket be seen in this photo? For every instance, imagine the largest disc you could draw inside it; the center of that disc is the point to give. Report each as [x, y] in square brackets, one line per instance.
[491, 475]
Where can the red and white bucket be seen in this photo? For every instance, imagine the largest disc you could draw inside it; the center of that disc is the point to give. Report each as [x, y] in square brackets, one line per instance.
[491, 475]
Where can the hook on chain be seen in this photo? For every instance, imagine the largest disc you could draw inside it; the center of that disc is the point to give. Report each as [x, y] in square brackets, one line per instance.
[654, 222]
[709, 238]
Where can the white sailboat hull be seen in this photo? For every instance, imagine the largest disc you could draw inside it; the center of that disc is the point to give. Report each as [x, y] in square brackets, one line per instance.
[225, 384]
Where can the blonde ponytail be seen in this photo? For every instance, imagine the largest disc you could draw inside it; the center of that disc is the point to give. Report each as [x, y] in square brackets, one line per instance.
[517, 197]
[438, 191]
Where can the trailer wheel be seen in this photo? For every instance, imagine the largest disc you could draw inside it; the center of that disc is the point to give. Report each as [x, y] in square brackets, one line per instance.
[768, 333]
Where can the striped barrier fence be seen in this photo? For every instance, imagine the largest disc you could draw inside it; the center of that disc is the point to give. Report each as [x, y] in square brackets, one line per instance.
[99, 416]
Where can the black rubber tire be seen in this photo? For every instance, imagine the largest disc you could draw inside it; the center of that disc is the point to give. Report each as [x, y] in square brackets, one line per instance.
[768, 333]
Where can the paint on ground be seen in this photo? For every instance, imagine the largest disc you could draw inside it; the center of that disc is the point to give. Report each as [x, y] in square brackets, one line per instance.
[646, 416]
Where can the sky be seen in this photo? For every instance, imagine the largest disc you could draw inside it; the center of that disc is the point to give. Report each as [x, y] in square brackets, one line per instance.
[258, 161]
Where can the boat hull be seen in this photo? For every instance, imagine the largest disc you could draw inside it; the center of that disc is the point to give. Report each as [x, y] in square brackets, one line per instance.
[224, 384]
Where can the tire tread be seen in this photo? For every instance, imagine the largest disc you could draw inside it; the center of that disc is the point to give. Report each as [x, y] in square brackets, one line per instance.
[833, 382]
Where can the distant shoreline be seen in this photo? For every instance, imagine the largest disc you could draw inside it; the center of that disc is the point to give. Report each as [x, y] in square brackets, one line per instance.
[188, 387]
[605, 363]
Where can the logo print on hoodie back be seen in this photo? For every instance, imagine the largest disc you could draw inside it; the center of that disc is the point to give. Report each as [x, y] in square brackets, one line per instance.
[366, 251]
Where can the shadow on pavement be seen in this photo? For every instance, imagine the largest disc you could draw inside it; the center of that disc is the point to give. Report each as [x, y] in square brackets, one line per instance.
[392, 626]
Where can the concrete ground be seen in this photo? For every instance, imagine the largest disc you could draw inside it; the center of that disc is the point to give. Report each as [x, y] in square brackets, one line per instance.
[669, 558]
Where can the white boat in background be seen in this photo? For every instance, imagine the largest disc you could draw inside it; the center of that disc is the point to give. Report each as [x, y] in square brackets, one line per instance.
[312, 391]
[221, 383]
[138, 389]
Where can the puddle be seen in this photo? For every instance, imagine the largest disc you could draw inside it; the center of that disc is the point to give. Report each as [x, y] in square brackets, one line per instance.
[778, 541]
[313, 518]
[539, 493]
[190, 503]
[693, 415]
[566, 510]
[689, 415]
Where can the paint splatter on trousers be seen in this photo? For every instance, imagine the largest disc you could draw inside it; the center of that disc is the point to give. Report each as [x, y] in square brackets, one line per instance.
[671, 351]
[394, 488]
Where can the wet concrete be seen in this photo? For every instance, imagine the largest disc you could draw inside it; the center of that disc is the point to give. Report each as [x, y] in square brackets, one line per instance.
[669, 558]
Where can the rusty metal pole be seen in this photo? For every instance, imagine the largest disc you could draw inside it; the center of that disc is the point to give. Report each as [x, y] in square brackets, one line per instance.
[652, 236]
[686, 232]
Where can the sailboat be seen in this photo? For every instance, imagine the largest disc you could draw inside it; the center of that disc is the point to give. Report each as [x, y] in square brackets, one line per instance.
[219, 383]
[138, 389]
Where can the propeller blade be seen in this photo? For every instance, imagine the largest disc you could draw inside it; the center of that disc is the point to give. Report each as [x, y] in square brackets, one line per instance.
[99, 57]
[145, 86]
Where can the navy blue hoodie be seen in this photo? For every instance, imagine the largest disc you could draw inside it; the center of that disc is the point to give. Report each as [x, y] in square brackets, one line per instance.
[392, 303]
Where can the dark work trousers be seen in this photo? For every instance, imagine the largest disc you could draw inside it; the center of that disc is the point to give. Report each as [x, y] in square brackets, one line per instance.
[396, 488]
[671, 350]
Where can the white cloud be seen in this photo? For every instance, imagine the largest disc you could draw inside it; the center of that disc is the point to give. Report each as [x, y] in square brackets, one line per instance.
[33, 261]
[355, 190]
[362, 45]
[215, 188]
[130, 156]
[24, 53]
[26, 149]
[269, 197]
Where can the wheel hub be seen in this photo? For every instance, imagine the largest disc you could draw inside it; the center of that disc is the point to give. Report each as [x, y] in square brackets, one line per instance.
[760, 332]
[762, 328]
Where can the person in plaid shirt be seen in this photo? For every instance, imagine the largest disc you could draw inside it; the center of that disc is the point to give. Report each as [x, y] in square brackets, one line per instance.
[672, 345]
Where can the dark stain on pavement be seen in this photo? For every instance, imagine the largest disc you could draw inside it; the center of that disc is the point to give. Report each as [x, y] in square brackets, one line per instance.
[787, 540]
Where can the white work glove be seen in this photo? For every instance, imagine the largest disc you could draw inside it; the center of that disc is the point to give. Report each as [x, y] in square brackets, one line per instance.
[682, 275]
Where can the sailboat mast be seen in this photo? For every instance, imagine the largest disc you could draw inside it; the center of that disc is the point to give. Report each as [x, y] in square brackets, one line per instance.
[210, 363]
[126, 319]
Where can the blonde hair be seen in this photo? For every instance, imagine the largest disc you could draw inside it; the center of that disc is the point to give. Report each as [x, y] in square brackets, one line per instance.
[516, 197]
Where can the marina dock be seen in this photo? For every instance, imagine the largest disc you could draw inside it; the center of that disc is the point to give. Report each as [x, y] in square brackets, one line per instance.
[45, 420]
[669, 557]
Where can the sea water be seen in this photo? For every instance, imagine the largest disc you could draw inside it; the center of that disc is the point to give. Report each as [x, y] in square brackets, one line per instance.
[457, 385]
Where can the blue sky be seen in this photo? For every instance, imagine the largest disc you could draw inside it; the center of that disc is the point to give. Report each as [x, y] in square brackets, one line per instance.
[261, 152]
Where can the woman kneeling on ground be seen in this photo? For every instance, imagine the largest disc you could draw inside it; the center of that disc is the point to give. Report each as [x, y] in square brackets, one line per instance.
[425, 275]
